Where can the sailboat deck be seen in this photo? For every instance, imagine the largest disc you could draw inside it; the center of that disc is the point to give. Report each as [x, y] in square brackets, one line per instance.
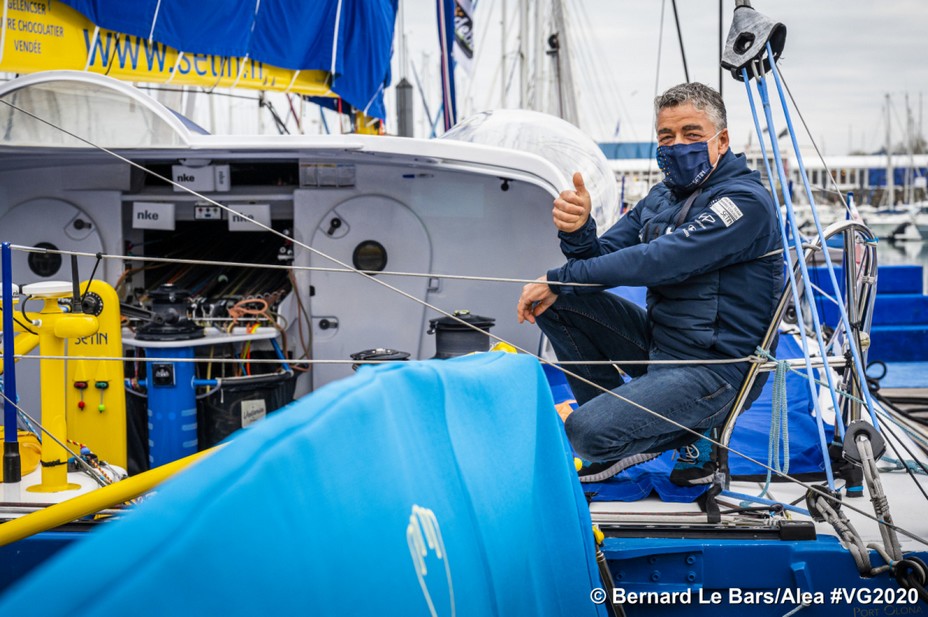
[907, 505]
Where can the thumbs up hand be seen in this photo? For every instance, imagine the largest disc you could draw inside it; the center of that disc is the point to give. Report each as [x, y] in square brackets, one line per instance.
[572, 208]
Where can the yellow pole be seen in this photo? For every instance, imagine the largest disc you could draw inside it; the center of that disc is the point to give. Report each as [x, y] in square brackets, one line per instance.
[89, 503]
[53, 327]
[54, 456]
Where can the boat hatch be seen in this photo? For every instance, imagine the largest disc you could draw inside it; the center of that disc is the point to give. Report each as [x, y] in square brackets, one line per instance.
[110, 114]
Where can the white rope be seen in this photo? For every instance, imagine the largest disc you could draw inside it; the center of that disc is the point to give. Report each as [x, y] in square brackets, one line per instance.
[154, 20]
[336, 361]
[90, 48]
[814, 489]
[239, 264]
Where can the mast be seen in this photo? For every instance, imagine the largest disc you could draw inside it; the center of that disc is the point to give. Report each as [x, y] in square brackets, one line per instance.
[564, 76]
[404, 113]
[890, 181]
[538, 77]
[502, 60]
[523, 53]
[910, 147]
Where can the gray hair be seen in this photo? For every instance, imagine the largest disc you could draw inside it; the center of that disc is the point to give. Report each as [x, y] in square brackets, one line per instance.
[701, 96]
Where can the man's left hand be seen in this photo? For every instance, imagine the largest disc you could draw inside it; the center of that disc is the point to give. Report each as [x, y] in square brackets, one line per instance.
[535, 300]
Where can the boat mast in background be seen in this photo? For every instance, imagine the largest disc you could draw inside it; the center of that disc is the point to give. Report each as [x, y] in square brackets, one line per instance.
[404, 94]
[523, 53]
[559, 50]
[890, 199]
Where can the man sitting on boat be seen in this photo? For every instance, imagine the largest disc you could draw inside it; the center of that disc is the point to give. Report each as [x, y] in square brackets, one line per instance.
[706, 244]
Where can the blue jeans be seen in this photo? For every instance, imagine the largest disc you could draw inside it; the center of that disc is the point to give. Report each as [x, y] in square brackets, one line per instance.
[603, 326]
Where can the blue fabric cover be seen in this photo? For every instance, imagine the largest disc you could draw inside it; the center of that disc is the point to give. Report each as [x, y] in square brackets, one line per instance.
[306, 513]
[291, 34]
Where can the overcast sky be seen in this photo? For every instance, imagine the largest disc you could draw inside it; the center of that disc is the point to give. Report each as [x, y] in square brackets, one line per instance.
[842, 57]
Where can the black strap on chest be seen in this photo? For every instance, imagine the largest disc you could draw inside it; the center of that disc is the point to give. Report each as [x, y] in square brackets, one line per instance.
[685, 210]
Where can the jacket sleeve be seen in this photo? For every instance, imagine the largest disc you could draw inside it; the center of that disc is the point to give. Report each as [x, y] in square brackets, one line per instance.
[584, 243]
[725, 232]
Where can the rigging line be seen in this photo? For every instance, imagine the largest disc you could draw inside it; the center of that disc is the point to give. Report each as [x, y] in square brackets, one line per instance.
[784, 238]
[259, 224]
[39, 356]
[821, 157]
[909, 471]
[912, 427]
[152, 88]
[478, 52]
[513, 56]
[598, 53]
[762, 90]
[88, 468]
[660, 45]
[587, 61]
[765, 365]
[471, 326]
[676, 18]
[652, 161]
[858, 363]
[252, 266]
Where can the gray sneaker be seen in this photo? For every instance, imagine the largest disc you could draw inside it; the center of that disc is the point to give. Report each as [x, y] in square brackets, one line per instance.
[599, 472]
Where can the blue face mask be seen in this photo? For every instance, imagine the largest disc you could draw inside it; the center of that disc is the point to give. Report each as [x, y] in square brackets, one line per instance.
[685, 166]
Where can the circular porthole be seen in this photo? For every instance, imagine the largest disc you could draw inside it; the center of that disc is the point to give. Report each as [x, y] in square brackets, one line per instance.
[369, 255]
[44, 264]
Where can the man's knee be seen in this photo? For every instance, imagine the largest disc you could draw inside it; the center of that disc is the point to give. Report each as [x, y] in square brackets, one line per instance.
[551, 314]
[587, 438]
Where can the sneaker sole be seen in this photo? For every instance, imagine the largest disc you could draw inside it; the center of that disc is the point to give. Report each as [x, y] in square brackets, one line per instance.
[692, 481]
[619, 466]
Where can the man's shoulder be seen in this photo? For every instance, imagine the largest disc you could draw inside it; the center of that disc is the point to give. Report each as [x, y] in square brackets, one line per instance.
[657, 196]
[745, 187]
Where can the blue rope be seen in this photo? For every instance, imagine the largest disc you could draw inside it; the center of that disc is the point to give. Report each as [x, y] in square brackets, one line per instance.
[767, 502]
[779, 427]
[858, 365]
[896, 465]
[784, 236]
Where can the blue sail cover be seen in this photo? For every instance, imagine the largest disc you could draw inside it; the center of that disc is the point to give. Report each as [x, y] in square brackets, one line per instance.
[350, 38]
[442, 485]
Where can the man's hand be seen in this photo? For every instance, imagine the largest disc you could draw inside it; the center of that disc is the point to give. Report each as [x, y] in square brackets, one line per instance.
[535, 300]
[572, 208]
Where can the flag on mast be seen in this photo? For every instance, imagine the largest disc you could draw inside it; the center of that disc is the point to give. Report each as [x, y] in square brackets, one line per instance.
[446, 43]
[464, 34]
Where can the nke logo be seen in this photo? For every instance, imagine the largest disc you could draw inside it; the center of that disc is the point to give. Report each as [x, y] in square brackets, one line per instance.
[146, 215]
[185, 178]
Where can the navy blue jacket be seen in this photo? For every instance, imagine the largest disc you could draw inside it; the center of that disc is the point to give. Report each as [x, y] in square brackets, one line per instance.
[713, 279]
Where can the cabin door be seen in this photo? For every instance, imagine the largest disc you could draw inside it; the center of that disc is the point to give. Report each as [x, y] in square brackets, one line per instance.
[352, 314]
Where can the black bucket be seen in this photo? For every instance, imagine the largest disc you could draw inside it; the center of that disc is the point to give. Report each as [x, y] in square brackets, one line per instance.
[241, 403]
[453, 338]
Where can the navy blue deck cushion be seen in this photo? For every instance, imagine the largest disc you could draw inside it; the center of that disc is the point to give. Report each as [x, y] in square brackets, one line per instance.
[314, 511]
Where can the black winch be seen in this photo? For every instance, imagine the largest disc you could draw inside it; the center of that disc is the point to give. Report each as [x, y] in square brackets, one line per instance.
[379, 353]
[453, 338]
[168, 317]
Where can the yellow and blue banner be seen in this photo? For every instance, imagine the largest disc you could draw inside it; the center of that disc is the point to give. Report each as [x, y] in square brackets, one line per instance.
[332, 48]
